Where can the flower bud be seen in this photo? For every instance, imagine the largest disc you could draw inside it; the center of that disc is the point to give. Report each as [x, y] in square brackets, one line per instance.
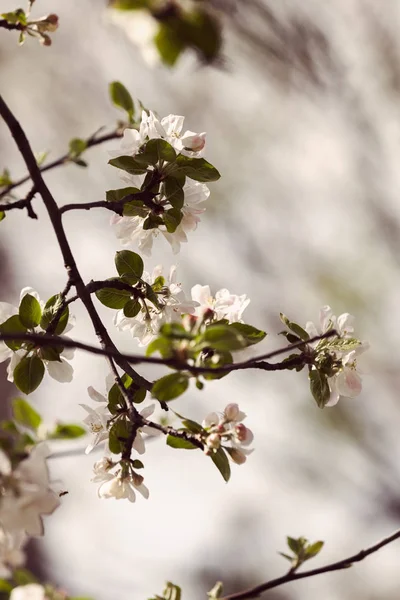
[241, 432]
[237, 456]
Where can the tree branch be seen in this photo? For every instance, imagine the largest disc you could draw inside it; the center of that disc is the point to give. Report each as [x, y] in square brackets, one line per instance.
[41, 340]
[91, 141]
[11, 26]
[256, 591]
[24, 203]
[69, 260]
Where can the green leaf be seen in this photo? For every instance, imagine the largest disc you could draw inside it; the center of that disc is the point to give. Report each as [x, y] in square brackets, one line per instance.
[50, 310]
[172, 217]
[319, 387]
[341, 344]
[113, 298]
[221, 461]
[25, 414]
[5, 179]
[314, 549]
[132, 308]
[159, 150]
[76, 147]
[128, 164]
[175, 331]
[160, 345]
[13, 325]
[176, 442]
[137, 464]
[139, 396]
[168, 44]
[119, 433]
[299, 331]
[28, 374]
[193, 426]
[117, 195]
[289, 558]
[2, 215]
[129, 264]
[294, 544]
[223, 337]
[251, 334]
[196, 168]
[66, 431]
[5, 586]
[17, 16]
[121, 98]
[23, 577]
[170, 386]
[173, 192]
[49, 353]
[30, 312]
[130, 4]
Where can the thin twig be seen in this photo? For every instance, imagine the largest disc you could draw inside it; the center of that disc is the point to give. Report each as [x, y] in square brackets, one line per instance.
[11, 26]
[24, 203]
[255, 592]
[64, 159]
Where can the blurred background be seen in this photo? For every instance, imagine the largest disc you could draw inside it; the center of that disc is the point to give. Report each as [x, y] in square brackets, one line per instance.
[303, 122]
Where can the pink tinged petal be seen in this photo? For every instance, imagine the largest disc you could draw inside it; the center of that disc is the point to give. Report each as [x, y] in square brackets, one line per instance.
[349, 383]
[325, 315]
[138, 444]
[232, 411]
[194, 141]
[96, 396]
[311, 329]
[249, 437]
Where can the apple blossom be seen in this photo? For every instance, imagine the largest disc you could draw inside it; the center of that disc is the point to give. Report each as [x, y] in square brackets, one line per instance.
[228, 427]
[224, 305]
[123, 486]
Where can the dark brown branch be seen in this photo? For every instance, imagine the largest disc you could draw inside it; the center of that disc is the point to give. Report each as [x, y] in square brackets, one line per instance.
[62, 160]
[69, 260]
[56, 340]
[24, 203]
[11, 26]
[256, 591]
[168, 430]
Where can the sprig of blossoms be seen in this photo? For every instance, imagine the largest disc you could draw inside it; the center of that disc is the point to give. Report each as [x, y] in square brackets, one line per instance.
[34, 316]
[119, 479]
[167, 173]
[228, 428]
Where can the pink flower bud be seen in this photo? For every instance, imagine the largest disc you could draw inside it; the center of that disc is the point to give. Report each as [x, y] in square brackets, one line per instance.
[231, 412]
[237, 456]
[241, 432]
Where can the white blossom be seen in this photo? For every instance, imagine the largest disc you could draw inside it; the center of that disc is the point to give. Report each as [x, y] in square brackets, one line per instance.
[120, 487]
[31, 591]
[347, 382]
[26, 494]
[61, 370]
[224, 305]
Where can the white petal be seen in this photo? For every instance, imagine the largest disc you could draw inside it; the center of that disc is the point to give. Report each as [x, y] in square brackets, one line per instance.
[60, 371]
[96, 396]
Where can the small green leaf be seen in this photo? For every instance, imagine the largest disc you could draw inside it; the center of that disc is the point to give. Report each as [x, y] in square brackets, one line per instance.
[251, 335]
[193, 426]
[196, 168]
[294, 544]
[5, 586]
[76, 147]
[117, 195]
[137, 464]
[113, 298]
[49, 312]
[119, 433]
[319, 387]
[176, 442]
[65, 431]
[121, 98]
[129, 264]
[221, 461]
[314, 549]
[49, 353]
[160, 345]
[172, 217]
[299, 331]
[128, 164]
[25, 414]
[30, 312]
[173, 192]
[23, 577]
[170, 386]
[169, 44]
[132, 308]
[2, 215]
[13, 325]
[28, 374]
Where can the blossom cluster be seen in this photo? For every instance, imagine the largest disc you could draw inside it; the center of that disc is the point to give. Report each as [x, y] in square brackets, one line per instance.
[185, 193]
[228, 428]
[337, 356]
